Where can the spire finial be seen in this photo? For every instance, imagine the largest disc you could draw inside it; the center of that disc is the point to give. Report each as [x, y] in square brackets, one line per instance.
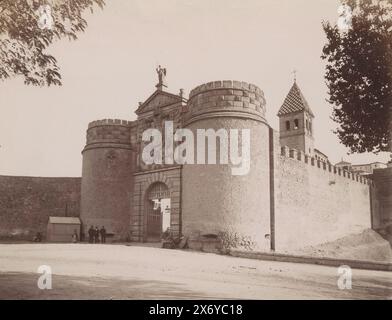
[295, 75]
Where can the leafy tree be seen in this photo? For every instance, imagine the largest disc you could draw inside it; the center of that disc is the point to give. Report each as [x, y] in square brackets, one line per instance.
[28, 27]
[359, 75]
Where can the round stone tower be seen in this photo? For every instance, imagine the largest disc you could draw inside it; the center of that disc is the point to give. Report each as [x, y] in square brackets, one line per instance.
[235, 209]
[107, 177]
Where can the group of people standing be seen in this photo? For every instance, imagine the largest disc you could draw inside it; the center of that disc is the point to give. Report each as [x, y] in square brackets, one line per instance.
[95, 235]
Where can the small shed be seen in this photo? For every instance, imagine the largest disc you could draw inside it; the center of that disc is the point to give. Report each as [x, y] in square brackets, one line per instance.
[61, 229]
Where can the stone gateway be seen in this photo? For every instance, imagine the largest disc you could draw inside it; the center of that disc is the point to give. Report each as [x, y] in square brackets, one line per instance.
[290, 196]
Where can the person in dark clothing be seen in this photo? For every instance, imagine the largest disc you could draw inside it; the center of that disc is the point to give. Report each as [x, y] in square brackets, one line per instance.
[91, 234]
[103, 234]
[96, 235]
[75, 236]
[38, 237]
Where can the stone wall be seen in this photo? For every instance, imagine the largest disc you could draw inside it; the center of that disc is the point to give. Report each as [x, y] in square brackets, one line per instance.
[27, 202]
[382, 199]
[316, 202]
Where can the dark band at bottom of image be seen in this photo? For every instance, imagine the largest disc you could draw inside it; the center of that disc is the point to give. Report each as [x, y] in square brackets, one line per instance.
[197, 309]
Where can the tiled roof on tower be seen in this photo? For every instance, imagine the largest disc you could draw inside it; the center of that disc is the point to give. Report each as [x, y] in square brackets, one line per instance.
[294, 102]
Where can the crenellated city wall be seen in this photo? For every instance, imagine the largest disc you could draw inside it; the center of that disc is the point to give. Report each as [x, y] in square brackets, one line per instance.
[316, 202]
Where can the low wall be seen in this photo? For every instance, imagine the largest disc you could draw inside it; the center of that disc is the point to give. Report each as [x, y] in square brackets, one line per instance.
[316, 202]
[27, 202]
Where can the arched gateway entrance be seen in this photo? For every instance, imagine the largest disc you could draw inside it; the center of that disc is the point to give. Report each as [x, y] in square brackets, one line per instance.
[157, 210]
[163, 186]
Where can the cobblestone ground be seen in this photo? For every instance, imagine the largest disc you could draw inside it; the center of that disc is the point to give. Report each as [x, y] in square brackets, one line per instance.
[88, 271]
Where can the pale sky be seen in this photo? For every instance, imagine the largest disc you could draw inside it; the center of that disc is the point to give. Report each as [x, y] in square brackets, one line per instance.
[111, 67]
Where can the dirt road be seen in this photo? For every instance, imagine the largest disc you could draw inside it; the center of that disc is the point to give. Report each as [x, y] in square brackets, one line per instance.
[88, 271]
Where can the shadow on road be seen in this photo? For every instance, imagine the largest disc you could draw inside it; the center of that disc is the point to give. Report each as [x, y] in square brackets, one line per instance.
[16, 285]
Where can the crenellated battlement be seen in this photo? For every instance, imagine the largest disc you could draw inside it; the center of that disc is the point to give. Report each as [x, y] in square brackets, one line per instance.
[112, 122]
[227, 98]
[109, 131]
[299, 155]
[226, 84]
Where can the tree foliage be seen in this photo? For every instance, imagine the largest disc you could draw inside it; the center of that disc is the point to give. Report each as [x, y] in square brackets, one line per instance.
[24, 43]
[359, 75]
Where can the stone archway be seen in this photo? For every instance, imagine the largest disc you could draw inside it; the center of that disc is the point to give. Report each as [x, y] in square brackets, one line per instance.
[157, 210]
[144, 183]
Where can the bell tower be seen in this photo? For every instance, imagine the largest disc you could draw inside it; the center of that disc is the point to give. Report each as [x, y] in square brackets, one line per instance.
[296, 122]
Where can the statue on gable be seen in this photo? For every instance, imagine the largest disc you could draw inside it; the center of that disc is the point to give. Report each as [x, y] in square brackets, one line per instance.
[161, 77]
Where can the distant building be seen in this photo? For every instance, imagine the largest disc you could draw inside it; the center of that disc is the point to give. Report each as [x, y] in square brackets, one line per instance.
[344, 165]
[367, 168]
[296, 124]
[320, 156]
[361, 169]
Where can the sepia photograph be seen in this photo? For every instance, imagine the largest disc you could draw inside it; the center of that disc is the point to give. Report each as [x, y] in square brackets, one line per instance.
[209, 151]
